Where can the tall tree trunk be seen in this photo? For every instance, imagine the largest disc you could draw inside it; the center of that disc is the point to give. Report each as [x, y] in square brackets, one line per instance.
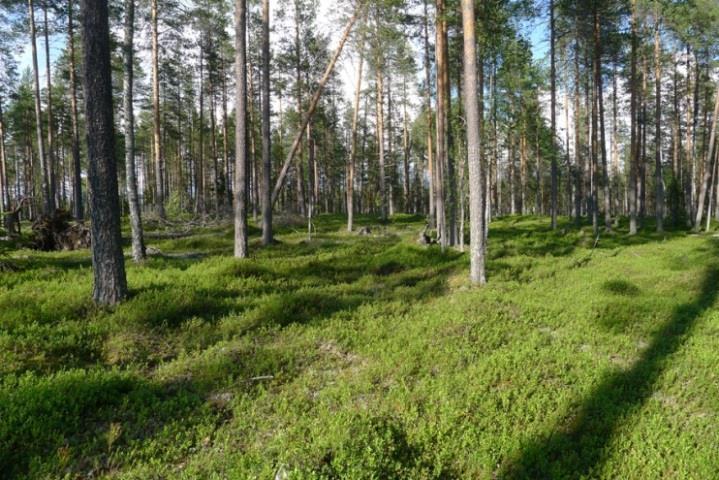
[658, 178]
[599, 81]
[442, 121]
[390, 146]
[156, 137]
[474, 147]
[579, 157]
[227, 182]
[431, 216]
[615, 139]
[406, 190]
[643, 144]
[4, 190]
[634, 144]
[553, 114]
[50, 119]
[138, 243]
[240, 188]
[353, 141]
[77, 204]
[379, 105]
[48, 197]
[266, 145]
[709, 168]
[300, 181]
[201, 205]
[110, 285]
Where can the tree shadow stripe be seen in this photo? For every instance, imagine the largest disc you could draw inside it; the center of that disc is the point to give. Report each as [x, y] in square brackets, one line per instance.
[575, 450]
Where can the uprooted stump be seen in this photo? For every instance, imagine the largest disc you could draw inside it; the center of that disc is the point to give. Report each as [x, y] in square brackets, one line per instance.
[60, 232]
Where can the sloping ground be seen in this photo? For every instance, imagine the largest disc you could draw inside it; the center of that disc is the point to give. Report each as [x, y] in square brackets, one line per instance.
[368, 357]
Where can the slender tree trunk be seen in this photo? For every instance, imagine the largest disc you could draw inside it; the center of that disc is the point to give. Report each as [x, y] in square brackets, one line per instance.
[301, 201]
[380, 140]
[474, 147]
[138, 243]
[4, 189]
[110, 285]
[353, 142]
[658, 178]
[538, 173]
[406, 190]
[267, 238]
[553, 113]
[50, 119]
[156, 136]
[240, 188]
[634, 144]
[643, 143]
[599, 82]
[227, 182]
[77, 204]
[615, 141]
[390, 179]
[48, 197]
[709, 168]
[578, 154]
[442, 120]
[431, 217]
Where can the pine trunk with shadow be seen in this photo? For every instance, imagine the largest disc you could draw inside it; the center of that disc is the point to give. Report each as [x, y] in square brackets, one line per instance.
[579, 449]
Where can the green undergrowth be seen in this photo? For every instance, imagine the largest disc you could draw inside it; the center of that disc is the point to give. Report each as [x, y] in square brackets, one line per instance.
[367, 357]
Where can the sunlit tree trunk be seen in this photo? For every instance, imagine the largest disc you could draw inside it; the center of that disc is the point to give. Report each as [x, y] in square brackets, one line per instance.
[138, 243]
[156, 137]
[240, 188]
[474, 146]
[77, 203]
[48, 196]
[353, 142]
[634, 144]
[52, 161]
[442, 122]
[267, 238]
[658, 179]
[553, 114]
[431, 216]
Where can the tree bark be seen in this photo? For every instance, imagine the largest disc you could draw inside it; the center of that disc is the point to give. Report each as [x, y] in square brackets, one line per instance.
[474, 147]
[431, 217]
[240, 188]
[50, 119]
[379, 105]
[77, 203]
[710, 159]
[266, 141]
[658, 178]
[138, 243]
[553, 113]
[4, 190]
[353, 142]
[634, 144]
[442, 119]
[48, 197]
[156, 136]
[110, 286]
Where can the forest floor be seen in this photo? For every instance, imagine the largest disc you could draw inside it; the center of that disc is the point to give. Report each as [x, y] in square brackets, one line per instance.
[367, 357]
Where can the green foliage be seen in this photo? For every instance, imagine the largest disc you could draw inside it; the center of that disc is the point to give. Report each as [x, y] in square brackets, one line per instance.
[367, 357]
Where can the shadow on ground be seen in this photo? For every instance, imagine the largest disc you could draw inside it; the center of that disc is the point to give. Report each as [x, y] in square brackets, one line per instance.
[576, 450]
